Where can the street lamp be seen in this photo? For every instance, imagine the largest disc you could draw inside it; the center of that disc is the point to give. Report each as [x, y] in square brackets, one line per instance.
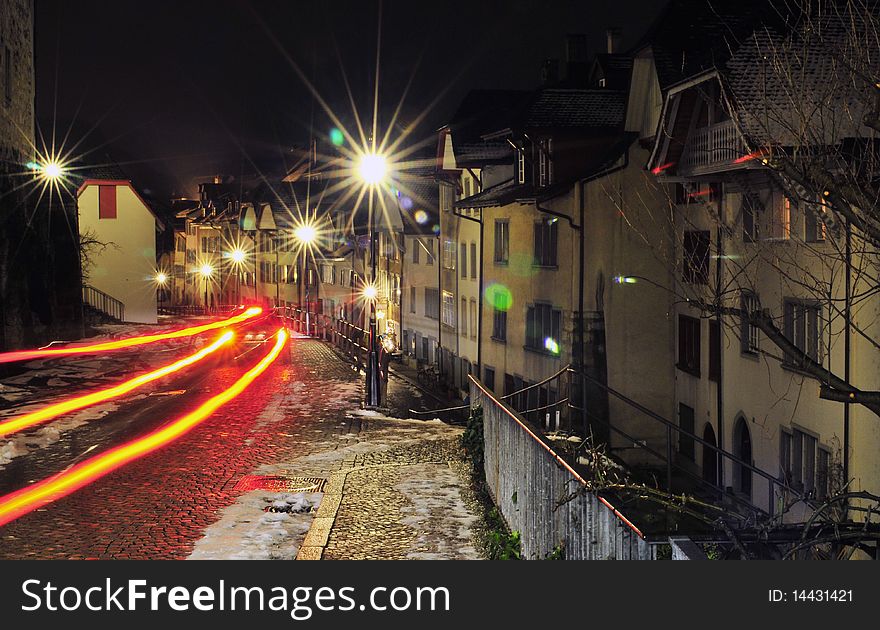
[238, 257]
[206, 271]
[161, 280]
[372, 169]
[305, 234]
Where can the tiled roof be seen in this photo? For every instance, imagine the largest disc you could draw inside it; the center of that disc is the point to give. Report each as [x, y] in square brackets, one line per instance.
[597, 108]
[110, 171]
[823, 105]
[694, 35]
[479, 153]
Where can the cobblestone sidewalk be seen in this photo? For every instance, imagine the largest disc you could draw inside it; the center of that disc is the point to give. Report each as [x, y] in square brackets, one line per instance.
[396, 489]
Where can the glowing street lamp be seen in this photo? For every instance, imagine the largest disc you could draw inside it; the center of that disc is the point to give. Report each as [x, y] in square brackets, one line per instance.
[52, 170]
[161, 279]
[371, 292]
[372, 168]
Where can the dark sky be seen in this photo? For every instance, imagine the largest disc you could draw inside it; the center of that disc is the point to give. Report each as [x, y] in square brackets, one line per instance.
[186, 89]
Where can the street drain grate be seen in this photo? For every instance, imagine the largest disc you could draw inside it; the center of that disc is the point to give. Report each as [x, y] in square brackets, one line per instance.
[274, 483]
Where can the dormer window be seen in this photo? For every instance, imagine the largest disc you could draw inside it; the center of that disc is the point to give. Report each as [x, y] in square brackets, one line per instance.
[521, 166]
[545, 162]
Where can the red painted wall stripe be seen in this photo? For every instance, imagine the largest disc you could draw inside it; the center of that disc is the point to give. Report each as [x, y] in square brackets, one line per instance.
[106, 202]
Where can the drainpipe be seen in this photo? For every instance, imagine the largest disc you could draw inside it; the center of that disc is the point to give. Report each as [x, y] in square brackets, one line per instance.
[479, 291]
[719, 402]
[578, 355]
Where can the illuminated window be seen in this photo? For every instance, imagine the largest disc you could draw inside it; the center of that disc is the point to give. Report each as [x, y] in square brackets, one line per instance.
[448, 312]
[448, 254]
[521, 166]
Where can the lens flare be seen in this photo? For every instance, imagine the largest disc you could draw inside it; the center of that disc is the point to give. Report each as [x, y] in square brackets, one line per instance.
[129, 342]
[421, 217]
[498, 296]
[21, 502]
[337, 137]
[551, 345]
[80, 402]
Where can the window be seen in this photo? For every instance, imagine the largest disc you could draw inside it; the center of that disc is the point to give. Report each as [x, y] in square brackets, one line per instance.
[803, 463]
[473, 261]
[751, 211]
[328, 274]
[520, 166]
[430, 255]
[106, 202]
[545, 162]
[695, 266]
[689, 345]
[448, 254]
[814, 226]
[412, 299]
[685, 436]
[801, 324]
[432, 303]
[448, 313]
[499, 325]
[463, 325]
[546, 240]
[463, 260]
[779, 217]
[714, 351]
[502, 241]
[474, 325]
[416, 247]
[489, 378]
[543, 327]
[748, 332]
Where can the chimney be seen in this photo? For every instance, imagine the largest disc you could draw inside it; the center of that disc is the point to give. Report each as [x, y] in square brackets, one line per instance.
[550, 71]
[576, 58]
[612, 35]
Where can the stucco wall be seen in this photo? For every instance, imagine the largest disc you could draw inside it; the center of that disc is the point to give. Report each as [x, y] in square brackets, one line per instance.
[126, 267]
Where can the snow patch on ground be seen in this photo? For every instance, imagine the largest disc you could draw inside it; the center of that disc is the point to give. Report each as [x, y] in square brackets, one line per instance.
[27, 441]
[434, 494]
[246, 531]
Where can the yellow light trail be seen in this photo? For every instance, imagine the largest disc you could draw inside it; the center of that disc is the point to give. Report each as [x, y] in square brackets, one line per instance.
[27, 355]
[49, 412]
[21, 502]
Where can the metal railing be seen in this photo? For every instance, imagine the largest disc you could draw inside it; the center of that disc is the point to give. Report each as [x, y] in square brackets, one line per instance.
[543, 498]
[548, 403]
[103, 302]
[191, 310]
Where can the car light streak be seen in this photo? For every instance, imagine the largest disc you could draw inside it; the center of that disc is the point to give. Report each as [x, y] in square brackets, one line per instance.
[21, 502]
[129, 342]
[49, 412]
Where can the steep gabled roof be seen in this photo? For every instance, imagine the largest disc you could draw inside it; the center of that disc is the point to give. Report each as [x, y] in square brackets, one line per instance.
[694, 35]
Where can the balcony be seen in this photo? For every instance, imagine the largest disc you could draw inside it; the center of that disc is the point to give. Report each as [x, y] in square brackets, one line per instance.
[714, 148]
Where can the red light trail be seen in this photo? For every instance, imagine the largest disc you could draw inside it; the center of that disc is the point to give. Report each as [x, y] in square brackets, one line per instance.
[21, 502]
[49, 412]
[129, 342]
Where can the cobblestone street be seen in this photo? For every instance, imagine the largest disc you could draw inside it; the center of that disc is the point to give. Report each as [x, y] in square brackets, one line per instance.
[394, 487]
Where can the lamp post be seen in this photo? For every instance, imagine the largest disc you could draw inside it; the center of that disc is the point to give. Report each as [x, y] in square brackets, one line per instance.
[305, 236]
[372, 170]
[206, 271]
[161, 281]
[238, 257]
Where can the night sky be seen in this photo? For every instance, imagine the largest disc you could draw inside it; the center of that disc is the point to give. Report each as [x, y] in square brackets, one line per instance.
[179, 91]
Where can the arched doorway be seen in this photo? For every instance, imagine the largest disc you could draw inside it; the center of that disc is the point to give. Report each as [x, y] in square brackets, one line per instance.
[710, 456]
[742, 445]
